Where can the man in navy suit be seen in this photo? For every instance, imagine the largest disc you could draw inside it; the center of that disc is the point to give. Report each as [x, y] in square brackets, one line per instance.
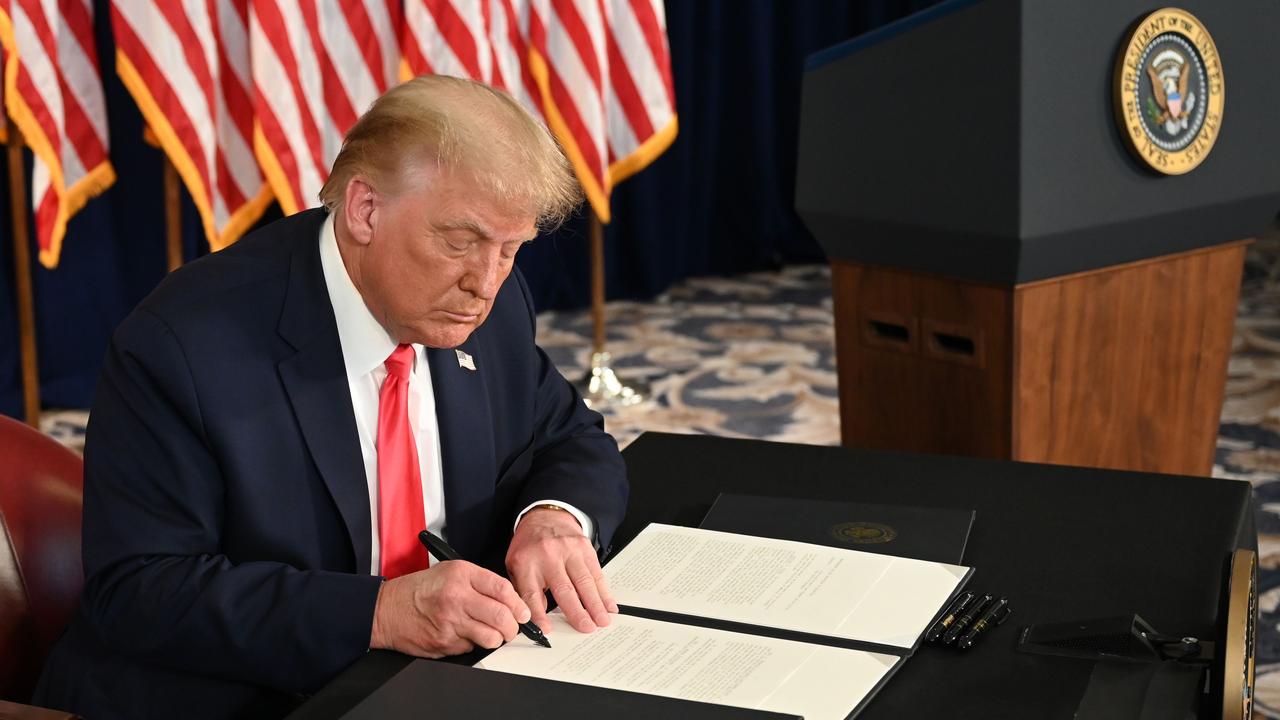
[277, 421]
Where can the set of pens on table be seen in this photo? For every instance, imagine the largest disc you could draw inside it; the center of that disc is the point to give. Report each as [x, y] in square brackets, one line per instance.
[969, 616]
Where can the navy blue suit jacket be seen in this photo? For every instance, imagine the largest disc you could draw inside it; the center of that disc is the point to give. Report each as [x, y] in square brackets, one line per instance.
[226, 512]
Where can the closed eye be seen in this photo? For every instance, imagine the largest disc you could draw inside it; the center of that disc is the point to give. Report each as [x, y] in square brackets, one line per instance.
[510, 249]
[456, 243]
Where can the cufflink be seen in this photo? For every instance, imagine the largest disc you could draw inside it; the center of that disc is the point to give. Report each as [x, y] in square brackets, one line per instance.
[553, 506]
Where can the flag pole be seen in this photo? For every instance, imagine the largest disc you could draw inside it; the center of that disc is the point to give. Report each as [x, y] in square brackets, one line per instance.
[172, 215]
[597, 285]
[22, 280]
[601, 388]
[172, 198]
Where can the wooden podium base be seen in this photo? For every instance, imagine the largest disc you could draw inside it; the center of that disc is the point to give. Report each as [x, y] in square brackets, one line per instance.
[1122, 367]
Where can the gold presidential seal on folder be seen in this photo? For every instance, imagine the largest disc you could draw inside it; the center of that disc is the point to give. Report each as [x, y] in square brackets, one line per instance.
[863, 533]
[1169, 91]
[1240, 650]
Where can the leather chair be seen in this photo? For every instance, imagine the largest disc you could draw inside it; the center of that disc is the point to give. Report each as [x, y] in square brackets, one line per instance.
[41, 492]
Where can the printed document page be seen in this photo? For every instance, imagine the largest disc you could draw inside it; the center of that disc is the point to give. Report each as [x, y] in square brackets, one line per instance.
[782, 584]
[694, 663]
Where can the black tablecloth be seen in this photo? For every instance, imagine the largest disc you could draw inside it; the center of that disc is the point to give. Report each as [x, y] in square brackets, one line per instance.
[1062, 543]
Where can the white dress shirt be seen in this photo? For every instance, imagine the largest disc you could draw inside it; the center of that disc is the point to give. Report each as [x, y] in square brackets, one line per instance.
[366, 345]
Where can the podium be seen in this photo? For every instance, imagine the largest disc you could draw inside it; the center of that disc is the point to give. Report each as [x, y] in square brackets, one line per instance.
[1017, 273]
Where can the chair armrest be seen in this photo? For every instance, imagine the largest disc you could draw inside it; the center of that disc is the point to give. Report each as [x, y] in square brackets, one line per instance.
[16, 711]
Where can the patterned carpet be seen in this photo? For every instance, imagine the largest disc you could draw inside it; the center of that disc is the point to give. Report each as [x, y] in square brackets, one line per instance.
[753, 356]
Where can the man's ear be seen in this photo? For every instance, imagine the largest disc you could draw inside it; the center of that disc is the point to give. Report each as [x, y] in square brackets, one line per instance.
[359, 209]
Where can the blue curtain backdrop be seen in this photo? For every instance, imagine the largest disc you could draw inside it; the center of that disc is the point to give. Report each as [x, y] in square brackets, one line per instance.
[719, 201]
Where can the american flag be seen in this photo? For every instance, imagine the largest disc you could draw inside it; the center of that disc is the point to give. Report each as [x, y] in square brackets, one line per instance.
[598, 72]
[316, 67]
[187, 66]
[483, 40]
[53, 95]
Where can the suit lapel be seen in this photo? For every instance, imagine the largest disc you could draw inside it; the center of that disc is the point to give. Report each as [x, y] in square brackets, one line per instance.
[466, 445]
[315, 380]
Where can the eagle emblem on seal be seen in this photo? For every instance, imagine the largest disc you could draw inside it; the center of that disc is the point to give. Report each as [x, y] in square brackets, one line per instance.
[1171, 101]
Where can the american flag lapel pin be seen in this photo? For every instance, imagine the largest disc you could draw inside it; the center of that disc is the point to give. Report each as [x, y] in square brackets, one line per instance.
[465, 361]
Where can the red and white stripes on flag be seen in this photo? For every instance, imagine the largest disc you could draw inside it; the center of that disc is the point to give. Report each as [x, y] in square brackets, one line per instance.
[187, 66]
[53, 94]
[604, 71]
[597, 71]
[482, 40]
[316, 66]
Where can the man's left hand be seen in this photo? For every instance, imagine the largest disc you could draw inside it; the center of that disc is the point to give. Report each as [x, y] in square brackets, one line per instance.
[549, 552]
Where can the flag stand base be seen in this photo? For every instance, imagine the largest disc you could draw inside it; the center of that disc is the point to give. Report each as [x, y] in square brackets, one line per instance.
[601, 389]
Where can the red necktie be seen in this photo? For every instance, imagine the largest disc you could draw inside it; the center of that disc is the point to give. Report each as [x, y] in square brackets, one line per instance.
[400, 512]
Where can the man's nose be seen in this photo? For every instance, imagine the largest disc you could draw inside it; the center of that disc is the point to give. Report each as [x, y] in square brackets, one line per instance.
[484, 276]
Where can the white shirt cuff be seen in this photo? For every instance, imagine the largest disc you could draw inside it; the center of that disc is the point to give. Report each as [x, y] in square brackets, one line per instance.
[577, 514]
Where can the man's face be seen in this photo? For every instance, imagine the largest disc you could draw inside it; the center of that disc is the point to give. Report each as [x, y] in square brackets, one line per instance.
[436, 258]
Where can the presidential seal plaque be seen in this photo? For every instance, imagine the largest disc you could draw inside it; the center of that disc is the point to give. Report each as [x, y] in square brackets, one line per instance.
[1169, 91]
[863, 533]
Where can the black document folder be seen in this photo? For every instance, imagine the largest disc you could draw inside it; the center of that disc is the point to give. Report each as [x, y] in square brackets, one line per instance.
[703, 601]
[699, 563]
[933, 534]
[436, 690]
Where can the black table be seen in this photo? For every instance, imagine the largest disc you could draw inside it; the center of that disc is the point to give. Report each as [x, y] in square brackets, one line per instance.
[1063, 543]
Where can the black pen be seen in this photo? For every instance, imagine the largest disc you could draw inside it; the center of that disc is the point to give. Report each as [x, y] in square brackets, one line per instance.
[959, 605]
[438, 547]
[995, 615]
[965, 618]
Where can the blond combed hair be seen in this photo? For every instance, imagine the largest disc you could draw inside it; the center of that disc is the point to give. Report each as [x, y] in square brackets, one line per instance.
[460, 126]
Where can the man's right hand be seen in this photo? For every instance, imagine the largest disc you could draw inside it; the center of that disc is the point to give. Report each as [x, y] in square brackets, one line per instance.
[447, 609]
